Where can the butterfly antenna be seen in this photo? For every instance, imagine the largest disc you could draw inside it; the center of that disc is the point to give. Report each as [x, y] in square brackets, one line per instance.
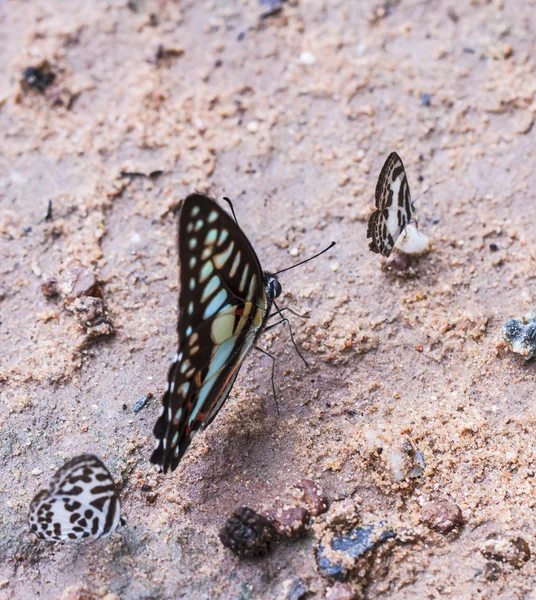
[428, 189]
[307, 259]
[228, 200]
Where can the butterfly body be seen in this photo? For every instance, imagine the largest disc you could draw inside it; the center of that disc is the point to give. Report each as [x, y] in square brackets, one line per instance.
[81, 502]
[225, 301]
[394, 209]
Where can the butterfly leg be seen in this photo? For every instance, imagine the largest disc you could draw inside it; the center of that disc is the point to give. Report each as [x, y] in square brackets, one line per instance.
[272, 357]
[284, 320]
[290, 310]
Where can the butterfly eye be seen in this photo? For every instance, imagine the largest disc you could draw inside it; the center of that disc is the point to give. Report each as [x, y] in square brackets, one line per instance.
[276, 288]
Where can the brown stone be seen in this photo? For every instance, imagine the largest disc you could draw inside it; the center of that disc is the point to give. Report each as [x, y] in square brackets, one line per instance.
[290, 521]
[50, 287]
[441, 516]
[79, 281]
[313, 496]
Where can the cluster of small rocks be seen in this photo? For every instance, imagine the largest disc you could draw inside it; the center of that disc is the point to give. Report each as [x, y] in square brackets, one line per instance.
[248, 533]
[81, 292]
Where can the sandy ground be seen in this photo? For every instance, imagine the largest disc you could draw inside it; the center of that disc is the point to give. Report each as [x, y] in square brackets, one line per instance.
[228, 103]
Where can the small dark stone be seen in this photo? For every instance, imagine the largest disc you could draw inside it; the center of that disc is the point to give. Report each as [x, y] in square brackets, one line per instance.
[92, 316]
[420, 178]
[492, 571]
[241, 36]
[426, 100]
[48, 216]
[520, 334]
[142, 402]
[313, 496]
[273, 8]
[247, 533]
[218, 63]
[39, 78]
[50, 287]
[27, 229]
[512, 550]
[151, 498]
[290, 521]
[493, 247]
[146, 487]
[452, 15]
[354, 548]
[441, 516]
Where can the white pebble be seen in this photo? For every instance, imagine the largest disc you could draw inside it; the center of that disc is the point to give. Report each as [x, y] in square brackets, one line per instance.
[307, 58]
[294, 252]
[253, 127]
[36, 472]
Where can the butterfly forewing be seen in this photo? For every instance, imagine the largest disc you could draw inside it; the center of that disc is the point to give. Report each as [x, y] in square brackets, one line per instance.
[394, 209]
[223, 305]
[81, 502]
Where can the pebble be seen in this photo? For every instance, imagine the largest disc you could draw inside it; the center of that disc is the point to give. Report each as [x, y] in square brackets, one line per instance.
[441, 516]
[340, 591]
[38, 77]
[340, 555]
[78, 281]
[246, 533]
[253, 127]
[491, 571]
[520, 335]
[50, 287]
[307, 58]
[93, 316]
[294, 589]
[512, 550]
[290, 521]
[407, 463]
[141, 402]
[426, 100]
[313, 496]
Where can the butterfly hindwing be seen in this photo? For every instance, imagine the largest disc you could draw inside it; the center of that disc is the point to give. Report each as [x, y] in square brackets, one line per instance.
[81, 502]
[394, 209]
[223, 305]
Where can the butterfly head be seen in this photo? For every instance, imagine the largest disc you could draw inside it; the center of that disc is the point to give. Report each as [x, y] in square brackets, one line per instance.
[273, 287]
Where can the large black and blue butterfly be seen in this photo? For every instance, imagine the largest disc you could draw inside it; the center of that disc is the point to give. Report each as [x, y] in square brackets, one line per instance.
[225, 301]
[394, 209]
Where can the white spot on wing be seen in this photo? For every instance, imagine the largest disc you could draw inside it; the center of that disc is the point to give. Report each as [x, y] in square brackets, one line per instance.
[236, 262]
[221, 259]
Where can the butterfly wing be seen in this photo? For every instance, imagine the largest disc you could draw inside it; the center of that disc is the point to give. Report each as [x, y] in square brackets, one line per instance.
[394, 209]
[81, 502]
[222, 307]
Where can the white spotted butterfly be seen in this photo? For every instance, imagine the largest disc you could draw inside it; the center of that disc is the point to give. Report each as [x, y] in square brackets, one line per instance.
[225, 301]
[394, 209]
[81, 502]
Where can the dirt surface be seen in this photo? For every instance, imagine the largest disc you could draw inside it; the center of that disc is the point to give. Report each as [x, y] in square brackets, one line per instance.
[291, 116]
